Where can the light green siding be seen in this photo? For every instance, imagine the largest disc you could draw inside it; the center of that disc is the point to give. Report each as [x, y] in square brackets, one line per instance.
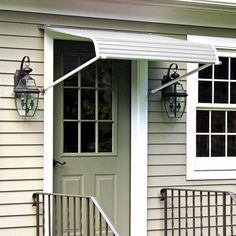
[21, 139]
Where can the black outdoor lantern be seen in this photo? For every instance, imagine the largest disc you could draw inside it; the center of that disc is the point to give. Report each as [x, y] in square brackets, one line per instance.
[174, 96]
[25, 89]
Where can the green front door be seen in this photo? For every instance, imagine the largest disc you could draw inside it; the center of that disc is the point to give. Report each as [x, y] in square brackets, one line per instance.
[92, 130]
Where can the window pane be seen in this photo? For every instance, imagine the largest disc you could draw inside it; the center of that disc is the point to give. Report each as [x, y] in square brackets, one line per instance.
[70, 104]
[202, 121]
[70, 137]
[87, 137]
[105, 104]
[233, 69]
[105, 73]
[232, 122]
[202, 148]
[70, 63]
[218, 121]
[221, 92]
[88, 104]
[105, 137]
[205, 91]
[206, 73]
[233, 93]
[231, 145]
[88, 76]
[217, 145]
[222, 71]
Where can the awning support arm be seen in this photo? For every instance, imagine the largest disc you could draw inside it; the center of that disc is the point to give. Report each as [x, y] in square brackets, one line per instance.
[179, 78]
[71, 73]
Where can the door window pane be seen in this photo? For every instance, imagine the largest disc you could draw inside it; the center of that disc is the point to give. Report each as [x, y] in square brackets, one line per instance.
[218, 145]
[202, 146]
[88, 104]
[70, 63]
[232, 122]
[87, 137]
[231, 145]
[222, 70]
[105, 73]
[217, 121]
[70, 104]
[202, 121]
[105, 104]
[220, 92]
[70, 137]
[205, 91]
[105, 137]
[88, 76]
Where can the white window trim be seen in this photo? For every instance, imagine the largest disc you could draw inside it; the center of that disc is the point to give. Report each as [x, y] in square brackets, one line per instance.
[203, 169]
[139, 108]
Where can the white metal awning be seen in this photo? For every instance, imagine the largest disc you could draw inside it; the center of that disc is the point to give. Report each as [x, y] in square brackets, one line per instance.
[111, 44]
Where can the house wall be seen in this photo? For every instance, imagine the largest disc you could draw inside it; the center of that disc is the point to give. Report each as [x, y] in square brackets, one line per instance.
[21, 139]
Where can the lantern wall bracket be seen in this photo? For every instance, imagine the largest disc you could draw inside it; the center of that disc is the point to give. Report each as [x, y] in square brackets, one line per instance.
[179, 78]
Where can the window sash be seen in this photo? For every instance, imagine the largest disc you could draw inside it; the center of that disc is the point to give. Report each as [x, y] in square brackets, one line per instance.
[94, 121]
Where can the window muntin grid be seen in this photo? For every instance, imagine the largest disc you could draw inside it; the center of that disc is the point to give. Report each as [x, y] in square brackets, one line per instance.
[216, 112]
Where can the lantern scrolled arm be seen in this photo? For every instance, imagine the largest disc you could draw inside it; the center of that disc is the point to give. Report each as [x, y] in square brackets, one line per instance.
[173, 96]
[25, 89]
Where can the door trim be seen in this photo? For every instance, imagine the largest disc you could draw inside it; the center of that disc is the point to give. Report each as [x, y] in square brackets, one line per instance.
[139, 121]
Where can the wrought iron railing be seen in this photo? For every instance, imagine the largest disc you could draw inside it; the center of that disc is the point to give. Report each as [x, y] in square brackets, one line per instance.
[198, 212]
[70, 215]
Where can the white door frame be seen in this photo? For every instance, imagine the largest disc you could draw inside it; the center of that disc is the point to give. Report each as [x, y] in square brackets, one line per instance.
[139, 110]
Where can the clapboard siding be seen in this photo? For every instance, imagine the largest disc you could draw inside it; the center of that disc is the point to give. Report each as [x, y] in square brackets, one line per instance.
[24, 185]
[11, 115]
[7, 55]
[21, 139]
[21, 126]
[20, 231]
[167, 152]
[19, 221]
[11, 66]
[16, 139]
[6, 79]
[15, 209]
[19, 28]
[17, 197]
[20, 174]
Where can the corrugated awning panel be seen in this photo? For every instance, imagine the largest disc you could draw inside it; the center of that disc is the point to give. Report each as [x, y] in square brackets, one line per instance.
[132, 46]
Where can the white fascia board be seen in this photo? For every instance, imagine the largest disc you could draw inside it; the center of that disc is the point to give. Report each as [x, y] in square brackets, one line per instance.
[171, 12]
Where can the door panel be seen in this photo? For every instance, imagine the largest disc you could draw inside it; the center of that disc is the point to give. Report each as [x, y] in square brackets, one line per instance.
[98, 166]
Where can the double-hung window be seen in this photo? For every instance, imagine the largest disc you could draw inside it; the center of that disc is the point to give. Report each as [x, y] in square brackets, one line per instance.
[211, 115]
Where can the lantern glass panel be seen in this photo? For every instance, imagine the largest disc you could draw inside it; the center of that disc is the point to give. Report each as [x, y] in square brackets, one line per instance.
[175, 100]
[26, 103]
[26, 96]
[175, 106]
